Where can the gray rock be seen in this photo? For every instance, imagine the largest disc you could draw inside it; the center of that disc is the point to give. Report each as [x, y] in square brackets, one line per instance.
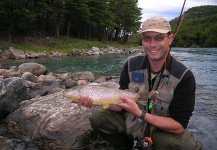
[34, 68]
[70, 83]
[95, 49]
[86, 75]
[46, 79]
[12, 92]
[53, 120]
[75, 52]
[29, 77]
[13, 53]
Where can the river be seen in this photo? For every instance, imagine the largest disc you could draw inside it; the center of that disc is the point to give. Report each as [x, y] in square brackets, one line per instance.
[202, 62]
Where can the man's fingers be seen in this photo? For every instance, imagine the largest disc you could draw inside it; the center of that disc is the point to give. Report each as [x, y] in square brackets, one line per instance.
[124, 99]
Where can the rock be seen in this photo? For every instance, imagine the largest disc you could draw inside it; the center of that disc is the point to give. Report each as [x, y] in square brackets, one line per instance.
[70, 83]
[38, 93]
[42, 54]
[63, 76]
[14, 72]
[13, 68]
[5, 73]
[46, 79]
[29, 77]
[31, 55]
[2, 57]
[13, 53]
[34, 68]
[95, 49]
[57, 54]
[32, 85]
[53, 120]
[35, 55]
[55, 90]
[89, 76]
[96, 53]
[12, 92]
[100, 79]
[75, 52]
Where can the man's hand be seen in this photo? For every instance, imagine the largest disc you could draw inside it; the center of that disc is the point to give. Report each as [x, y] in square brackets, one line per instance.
[130, 106]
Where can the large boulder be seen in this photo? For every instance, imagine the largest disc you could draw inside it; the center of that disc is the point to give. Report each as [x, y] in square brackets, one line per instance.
[34, 68]
[12, 92]
[13, 53]
[52, 120]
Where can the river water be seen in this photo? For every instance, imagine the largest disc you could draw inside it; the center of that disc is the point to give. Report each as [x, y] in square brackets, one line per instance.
[202, 62]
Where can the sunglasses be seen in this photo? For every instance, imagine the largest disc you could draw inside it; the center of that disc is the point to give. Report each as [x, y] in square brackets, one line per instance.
[157, 38]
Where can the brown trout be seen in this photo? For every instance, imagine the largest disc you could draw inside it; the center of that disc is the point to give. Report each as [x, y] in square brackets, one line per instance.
[100, 95]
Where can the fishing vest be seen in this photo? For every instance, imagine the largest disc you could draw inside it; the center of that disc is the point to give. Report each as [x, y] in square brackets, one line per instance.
[139, 83]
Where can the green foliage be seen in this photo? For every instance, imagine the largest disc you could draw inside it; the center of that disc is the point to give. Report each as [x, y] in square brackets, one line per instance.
[135, 39]
[94, 20]
[61, 44]
[199, 28]
[104, 20]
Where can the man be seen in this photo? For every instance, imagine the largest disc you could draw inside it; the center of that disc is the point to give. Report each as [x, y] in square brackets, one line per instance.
[167, 90]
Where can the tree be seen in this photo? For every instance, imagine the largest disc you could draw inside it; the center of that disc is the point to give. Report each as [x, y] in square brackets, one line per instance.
[211, 37]
[198, 28]
[127, 16]
[19, 16]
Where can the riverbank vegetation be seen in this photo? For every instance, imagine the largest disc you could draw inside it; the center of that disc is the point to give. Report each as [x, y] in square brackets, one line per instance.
[61, 44]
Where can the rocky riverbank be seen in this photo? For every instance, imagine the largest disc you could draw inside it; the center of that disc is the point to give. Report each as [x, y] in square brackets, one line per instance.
[34, 108]
[13, 53]
[34, 112]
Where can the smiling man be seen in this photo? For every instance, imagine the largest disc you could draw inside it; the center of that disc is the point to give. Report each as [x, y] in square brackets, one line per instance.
[167, 89]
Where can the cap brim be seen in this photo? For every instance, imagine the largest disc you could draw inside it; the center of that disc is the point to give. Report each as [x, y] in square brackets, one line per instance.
[155, 30]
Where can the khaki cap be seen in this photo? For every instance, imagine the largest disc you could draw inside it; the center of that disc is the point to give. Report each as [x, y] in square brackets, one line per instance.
[156, 24]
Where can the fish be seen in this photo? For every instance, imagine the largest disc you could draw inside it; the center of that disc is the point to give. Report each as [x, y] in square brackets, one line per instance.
[100, 95]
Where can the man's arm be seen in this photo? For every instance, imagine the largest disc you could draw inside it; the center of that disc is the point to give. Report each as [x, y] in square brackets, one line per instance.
[164, 123]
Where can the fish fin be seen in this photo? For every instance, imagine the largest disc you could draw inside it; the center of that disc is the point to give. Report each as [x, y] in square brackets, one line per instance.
[105, 106]
[79, 106]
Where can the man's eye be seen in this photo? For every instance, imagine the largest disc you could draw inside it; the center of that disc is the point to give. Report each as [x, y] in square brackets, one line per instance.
[147, 38]
[158, 38]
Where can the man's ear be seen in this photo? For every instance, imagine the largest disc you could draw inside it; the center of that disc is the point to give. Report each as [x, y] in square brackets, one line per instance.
[171, 38]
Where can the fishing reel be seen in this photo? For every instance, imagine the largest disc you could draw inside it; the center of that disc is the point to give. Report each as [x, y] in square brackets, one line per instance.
[143, 143]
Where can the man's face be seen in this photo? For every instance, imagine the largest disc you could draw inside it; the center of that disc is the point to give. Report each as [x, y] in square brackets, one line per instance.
[156, 45]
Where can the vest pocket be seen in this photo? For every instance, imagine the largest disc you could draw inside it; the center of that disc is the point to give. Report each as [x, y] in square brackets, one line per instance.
[133, 126]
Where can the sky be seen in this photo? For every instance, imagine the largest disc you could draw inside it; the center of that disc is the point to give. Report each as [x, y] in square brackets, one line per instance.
[169, 9]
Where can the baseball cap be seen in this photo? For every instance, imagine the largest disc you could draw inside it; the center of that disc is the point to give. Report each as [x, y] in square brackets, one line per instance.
[156, 24]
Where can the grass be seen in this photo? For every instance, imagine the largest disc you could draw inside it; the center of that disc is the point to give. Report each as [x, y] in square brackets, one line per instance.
[62, 44]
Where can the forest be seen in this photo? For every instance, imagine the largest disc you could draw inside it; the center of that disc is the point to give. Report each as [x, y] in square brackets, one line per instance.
[198, 29]
[104, 20]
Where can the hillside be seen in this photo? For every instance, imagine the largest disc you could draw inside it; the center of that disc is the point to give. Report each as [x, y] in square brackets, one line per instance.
[199, 28]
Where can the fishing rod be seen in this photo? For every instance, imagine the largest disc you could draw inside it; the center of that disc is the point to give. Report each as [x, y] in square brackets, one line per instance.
[181, 17]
